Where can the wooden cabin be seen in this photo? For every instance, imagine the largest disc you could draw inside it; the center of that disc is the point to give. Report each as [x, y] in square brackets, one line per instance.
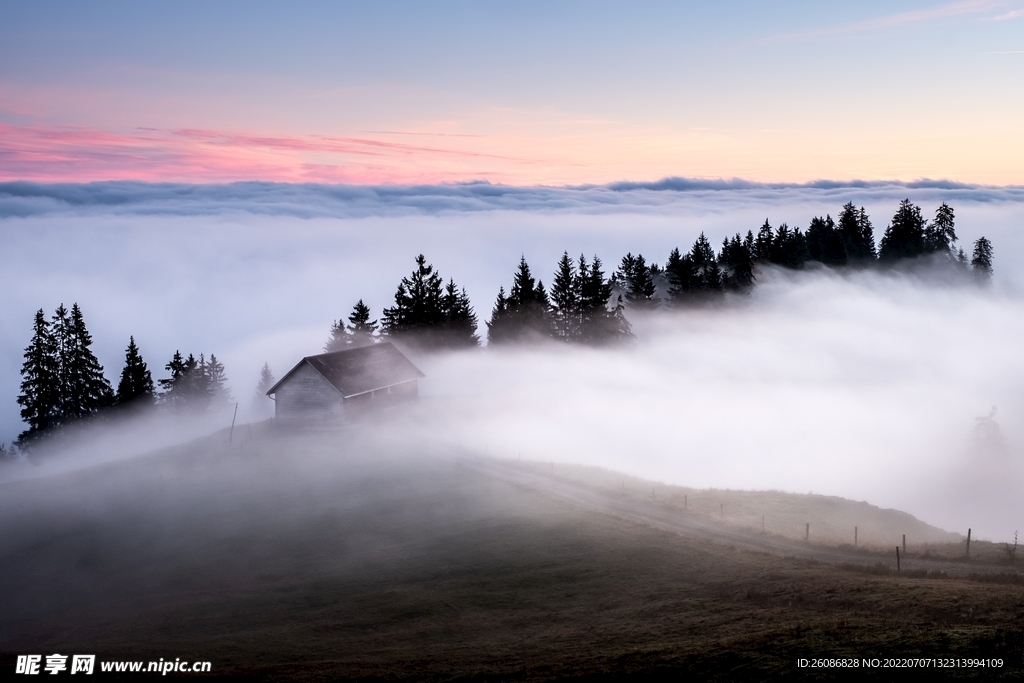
[338, 384]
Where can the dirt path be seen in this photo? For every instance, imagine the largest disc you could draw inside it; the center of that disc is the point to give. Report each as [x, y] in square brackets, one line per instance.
[700, 526]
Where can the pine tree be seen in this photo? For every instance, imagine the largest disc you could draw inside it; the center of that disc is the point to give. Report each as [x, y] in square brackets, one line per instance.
[598, 324]
[217, 383]
[636, 277]
[459, 327]
[88, 390]
[705, 263]
[262, 405]
[417, 312]
[738, 263]
[857, 234]
[338, 339]
[867, 235]
[188, 385]
[763, 243]
[60, 324]
[361, 330]
[904, 238]
[136, 385]
[565, 301]
[39, 398]
[682, 277]
[824, 242]
[789, 247]
[522, 315]
[430, 314]
[981, 261]
[940, 234]
[498, 327]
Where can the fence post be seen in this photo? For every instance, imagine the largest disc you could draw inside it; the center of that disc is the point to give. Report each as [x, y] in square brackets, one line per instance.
[231, 434]
[897, 559]
[968, 543]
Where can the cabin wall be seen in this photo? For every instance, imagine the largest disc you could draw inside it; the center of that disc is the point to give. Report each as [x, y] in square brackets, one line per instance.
[382, 398]
[307, 394]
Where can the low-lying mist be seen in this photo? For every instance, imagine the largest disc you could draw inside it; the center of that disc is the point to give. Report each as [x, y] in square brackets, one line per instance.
[862, 384]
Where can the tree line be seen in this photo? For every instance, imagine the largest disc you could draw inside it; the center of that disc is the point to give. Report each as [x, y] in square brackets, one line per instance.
[63, 382]
[585, 306]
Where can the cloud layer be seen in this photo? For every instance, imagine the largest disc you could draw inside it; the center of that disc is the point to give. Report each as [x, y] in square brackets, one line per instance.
[864, 386]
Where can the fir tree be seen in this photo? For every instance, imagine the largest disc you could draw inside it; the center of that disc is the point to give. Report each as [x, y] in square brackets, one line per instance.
[705, 265]
[636, 277]
[904, 238]
[428, 313]
[789, 247]
[522, 315]
[459, 326]
[824, 242]
[417, 310]
[39, 398]
[565, 301]
[217, 382]
[682, 277]
[498, 327]
[261, 403]
[136, 384]
[361, 330]
[338, 339]
[857, 234]
[188, 385]
[867, 235]
[763, 243]
[738, 263]
[940, 234]
[87, 389]
[598, 324]
[981, 261]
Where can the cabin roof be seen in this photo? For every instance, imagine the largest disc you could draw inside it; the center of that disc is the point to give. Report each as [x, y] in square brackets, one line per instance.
[360, 370]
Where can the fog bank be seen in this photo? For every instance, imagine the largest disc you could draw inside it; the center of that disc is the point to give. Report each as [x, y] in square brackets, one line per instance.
[856, 384]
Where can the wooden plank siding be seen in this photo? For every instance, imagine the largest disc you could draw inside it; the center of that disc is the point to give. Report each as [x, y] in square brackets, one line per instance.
[306, 393]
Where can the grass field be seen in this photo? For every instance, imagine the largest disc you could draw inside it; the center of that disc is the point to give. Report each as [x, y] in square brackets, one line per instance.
[289, 558]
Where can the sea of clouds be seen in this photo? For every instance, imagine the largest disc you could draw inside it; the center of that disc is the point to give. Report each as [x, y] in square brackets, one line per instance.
[853, 384]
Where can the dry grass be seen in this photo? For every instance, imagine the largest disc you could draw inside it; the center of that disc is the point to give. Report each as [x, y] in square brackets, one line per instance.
[832, 519]
[428, 570]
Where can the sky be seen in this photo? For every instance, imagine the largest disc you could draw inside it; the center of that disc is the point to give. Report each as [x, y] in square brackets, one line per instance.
[523, 93]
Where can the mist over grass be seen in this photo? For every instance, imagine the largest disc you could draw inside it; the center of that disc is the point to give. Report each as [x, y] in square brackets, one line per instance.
[858, 384]
[861, 385]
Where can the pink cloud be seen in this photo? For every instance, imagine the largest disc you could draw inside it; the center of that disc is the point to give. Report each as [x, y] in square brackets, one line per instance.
[81, 154]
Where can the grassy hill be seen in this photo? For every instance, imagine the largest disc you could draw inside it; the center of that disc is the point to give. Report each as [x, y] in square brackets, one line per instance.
[832, 519]
[286, 557]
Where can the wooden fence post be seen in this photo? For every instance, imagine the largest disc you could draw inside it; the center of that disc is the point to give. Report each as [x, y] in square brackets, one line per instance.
[904, 544]
[897, 559]
[968, 543]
